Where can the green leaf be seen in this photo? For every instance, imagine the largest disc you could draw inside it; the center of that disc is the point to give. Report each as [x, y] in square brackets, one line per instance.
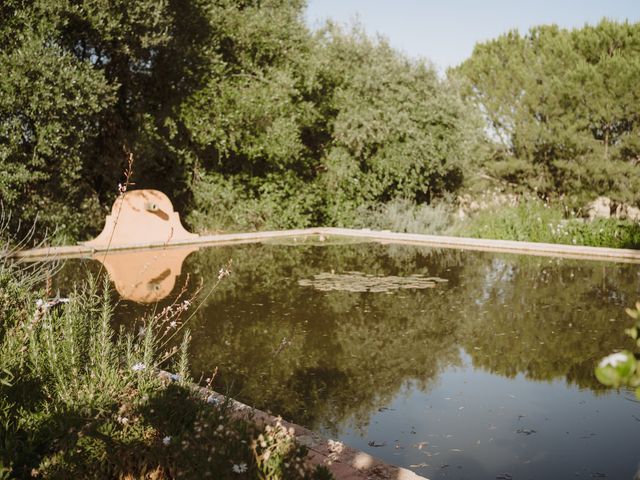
[616, 369]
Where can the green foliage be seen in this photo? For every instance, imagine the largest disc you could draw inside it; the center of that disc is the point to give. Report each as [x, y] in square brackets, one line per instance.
[563, 108]
[230, 98]
[402, 215]
[50, 104]
[622, 368]
[407, 131]
[277, 202]
[249, 121]
[536, 221]
[335, 122]
[85, 81]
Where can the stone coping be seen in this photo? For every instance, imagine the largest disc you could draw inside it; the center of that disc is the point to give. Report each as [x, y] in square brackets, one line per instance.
[526, 248]
[344, 462]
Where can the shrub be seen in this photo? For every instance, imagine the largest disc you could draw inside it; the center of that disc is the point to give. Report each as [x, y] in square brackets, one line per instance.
[402, 215]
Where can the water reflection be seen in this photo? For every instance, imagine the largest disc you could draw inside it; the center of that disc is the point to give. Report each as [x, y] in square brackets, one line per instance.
[377, 366]
[145, 276]
[347, 354]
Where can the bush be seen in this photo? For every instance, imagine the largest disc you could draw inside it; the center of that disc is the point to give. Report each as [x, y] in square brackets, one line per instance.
[230, 203]
[403, 215]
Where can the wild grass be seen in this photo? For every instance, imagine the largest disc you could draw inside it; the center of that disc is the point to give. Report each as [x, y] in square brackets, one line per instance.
[536, 221]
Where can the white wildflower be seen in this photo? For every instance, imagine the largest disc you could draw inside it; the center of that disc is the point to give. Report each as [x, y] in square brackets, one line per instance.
[240, 468]
[138, 367]
[173, 324]
[166, 440]
[614, 360]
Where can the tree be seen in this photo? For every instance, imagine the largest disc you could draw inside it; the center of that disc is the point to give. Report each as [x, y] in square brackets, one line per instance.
[229, 106]
[85, 81]
[563, 108]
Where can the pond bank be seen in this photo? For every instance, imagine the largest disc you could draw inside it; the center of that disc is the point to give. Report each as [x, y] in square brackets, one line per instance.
[344, 462]
[510, 246]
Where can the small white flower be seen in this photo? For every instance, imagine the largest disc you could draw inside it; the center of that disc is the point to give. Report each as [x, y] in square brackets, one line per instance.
[241, 468]
[614, 359]
[166, 440]
[173, 324]
[138, 367]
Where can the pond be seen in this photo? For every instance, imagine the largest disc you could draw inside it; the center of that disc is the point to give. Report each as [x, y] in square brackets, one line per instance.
[454, 364]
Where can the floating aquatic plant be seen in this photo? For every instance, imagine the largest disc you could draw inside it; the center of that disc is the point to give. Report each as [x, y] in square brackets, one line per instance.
[361, 282]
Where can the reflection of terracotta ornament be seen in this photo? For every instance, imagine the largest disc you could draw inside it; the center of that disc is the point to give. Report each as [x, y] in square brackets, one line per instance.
[140, 217]
[145, 276]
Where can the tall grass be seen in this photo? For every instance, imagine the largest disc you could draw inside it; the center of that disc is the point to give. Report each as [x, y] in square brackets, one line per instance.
[536, 221]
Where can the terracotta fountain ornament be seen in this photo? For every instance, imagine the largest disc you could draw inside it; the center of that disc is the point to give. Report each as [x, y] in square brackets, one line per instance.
[142, 218]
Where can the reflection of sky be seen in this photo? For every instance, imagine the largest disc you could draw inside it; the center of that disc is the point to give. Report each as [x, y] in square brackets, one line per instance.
[479, 425]
[499, 273]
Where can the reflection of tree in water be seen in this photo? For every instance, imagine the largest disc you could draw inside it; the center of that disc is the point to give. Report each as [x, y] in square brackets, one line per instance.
[330, 358]
[327, 358]
[345, 354]
[546, 319]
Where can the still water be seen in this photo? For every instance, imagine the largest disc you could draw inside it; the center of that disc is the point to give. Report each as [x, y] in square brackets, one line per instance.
[454, 364]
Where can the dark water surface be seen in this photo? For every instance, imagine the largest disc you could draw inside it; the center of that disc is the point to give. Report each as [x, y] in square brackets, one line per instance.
[487, 375]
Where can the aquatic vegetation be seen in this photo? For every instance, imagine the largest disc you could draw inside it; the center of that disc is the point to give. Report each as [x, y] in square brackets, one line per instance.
[360, 282]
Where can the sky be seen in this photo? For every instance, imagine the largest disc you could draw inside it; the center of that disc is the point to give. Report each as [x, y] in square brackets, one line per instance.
[445, 31]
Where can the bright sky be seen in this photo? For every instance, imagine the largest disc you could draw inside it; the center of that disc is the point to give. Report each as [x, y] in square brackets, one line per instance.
[445, 31]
